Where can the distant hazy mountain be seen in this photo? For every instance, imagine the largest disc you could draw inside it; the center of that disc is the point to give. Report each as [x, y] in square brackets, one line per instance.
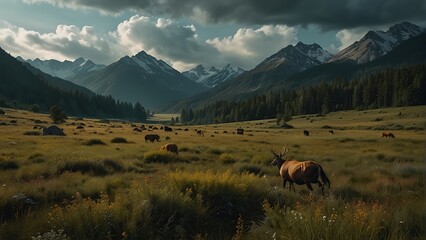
[213, 76]
[140, 78]
[377, 43]
[65, 69]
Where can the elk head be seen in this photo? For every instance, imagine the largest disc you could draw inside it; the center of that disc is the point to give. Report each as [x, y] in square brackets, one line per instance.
[278, 158]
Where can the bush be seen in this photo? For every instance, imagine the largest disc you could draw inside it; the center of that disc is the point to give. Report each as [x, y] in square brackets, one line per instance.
[97, 168]
[250, 169]
[57, 114]
[92, 142]
[227, 158]
[160, 157]
[119, 140]
[31, 133]
[36, 158]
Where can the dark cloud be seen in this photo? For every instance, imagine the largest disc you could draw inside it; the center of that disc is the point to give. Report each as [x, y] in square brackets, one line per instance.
[328, 14]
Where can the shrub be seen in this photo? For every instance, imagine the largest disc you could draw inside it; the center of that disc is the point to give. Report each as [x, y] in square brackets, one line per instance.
[250, 169]
[36, 158]
[227, 158]
[97, 168]
[345, 140]
[327, 127]
[31, 133]
[216, 151]
[6, 165]
[92, 142]
[119, 140]
[57, 114]
[160, 157]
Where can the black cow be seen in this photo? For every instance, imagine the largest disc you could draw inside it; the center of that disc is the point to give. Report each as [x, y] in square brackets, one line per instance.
[306, 132]
[152, 137]
[168, 129]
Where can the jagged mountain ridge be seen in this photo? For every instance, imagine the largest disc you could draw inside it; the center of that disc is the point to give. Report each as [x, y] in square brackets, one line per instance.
[140, 78]
[408, 52]
[213, 77]
[377, 43]
[287, 61]
[65, 69]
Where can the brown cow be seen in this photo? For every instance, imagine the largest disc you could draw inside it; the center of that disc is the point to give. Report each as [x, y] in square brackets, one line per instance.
[171, 147]
[306, 172]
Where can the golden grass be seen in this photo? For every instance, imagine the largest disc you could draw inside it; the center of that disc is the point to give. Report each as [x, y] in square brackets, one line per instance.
[363, 167]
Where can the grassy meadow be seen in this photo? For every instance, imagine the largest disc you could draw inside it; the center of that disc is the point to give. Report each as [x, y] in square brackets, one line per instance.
[103, 181]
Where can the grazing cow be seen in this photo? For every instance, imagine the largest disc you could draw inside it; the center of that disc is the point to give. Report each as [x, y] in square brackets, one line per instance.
[331, 131]
[200, 132]
[388, 135]
[306, 132]
[306, 172]
[171, 147]
[168, 129]
[152, 137]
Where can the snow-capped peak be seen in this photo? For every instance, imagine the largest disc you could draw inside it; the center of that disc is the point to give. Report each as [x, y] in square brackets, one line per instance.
[149, 63]
[377, 43]
[314, 51]
[65, 69]
[213, 76]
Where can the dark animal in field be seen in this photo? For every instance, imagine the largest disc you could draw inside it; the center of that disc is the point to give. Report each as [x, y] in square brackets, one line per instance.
[152, 137]
[331, 131]
[171, 147]
[388, 135]
[200, 132]
[168, 129]
[306, 172]
[137, 129]
[186, 130]
[53, 130]
[306, 132]
[240, 131]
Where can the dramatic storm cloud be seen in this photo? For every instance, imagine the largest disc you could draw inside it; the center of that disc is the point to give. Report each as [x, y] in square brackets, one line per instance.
[328, 14]
[178, 45]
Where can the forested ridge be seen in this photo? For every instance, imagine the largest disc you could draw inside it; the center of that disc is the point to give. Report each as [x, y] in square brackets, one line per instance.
[20, 88]
[387, 87]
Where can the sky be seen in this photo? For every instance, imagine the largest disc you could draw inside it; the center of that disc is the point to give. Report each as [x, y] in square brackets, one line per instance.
[185, 33]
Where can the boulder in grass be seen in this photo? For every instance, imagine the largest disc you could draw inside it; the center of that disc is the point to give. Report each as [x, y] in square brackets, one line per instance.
[53, 130]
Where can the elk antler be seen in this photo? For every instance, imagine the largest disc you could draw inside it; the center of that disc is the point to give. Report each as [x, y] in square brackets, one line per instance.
[273, 152]
[285, 151]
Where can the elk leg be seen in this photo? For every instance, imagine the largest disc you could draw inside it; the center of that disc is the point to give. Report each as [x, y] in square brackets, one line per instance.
[292, 186]
[309, 186]
[284, 183]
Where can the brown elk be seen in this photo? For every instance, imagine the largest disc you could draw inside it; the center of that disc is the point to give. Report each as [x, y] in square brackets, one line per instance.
[306, 172]
[171, 147]
[388, 135]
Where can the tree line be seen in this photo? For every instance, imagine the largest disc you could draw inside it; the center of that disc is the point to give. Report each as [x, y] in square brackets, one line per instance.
[387, 87]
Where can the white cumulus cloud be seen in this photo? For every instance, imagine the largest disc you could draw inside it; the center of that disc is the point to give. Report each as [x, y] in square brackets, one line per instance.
[166, 39]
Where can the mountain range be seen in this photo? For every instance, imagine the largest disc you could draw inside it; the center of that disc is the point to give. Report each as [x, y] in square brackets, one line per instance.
[295, 66]
[65, 69]
[212, 77]
[142, 78]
